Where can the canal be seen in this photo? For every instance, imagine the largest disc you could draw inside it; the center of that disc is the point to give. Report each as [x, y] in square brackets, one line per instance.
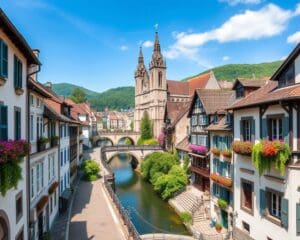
[147, 211]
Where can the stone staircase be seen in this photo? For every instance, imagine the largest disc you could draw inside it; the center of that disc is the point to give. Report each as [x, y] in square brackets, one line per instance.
[187, 201]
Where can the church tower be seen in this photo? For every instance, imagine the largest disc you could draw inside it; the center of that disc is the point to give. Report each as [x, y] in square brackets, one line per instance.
[151, 90]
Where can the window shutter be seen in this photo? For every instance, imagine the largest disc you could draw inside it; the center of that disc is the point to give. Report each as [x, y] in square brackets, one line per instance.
[214, 141]
[264, 130]
[298, 218]
[4, 60]
[285, 212]
[214, 189]
[252, 130]
[15, 71]
[262, 201]
[20, 74]
[241, 130]
[285, 129]
[3, 123]
[224, 168]
[214, 165]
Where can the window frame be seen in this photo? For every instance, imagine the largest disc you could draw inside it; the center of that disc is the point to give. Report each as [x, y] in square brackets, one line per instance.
[243, 197]
[18, 72]
[19, 197]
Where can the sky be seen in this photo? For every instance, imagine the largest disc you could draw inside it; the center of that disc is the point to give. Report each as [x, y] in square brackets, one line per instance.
[95, 43]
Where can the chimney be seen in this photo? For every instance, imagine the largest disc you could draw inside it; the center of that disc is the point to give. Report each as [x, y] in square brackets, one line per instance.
[48, 85]
[36, 52]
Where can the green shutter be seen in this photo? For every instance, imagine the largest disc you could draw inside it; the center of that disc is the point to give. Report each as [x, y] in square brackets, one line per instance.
[264, 130]
[15, 71]
[262, 201]
[17, 125]
[252, 130]
[3, 123]
[285, 212]
[214, 189]
[4, 60]
[20, 74]
[298, 218]
[285, 129]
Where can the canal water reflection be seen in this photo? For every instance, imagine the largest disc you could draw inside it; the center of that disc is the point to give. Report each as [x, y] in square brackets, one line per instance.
[147, 211]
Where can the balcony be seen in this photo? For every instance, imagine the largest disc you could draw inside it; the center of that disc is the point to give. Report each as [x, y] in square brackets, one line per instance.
[42, 143]
[54, 141]
[224, 181]
[202, 171]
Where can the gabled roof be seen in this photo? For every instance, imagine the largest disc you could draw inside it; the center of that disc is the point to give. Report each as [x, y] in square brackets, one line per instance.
[176, 110]
[199, 81]
[11, 31]
[52, 113]
[178, 87]
[268, 94]
[213, 100]
[251, 82]
[184, 145]
[220, 126]
[38, 87]
[293, 55]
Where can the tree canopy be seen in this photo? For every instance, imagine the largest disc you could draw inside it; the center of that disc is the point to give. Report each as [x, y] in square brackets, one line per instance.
[146, 127]
[78, 96]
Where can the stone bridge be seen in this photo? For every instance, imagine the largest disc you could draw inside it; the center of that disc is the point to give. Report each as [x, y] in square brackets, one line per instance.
[138, 152]
[115, 137]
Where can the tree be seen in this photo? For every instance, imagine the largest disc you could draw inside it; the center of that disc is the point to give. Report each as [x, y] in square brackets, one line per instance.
[146, 127]
[78, 96]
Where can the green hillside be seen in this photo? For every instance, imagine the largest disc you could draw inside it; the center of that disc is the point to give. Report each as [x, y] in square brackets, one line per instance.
[66, 89]
[230, 72]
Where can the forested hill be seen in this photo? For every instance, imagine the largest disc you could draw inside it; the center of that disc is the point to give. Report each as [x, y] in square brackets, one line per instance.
[123, 97]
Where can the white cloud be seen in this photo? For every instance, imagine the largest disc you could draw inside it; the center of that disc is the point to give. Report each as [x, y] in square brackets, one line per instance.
[235, 2]
[266, 22]
[297, 11]
[123, 48]
[294, 38]
[225, 58]
[147, 44]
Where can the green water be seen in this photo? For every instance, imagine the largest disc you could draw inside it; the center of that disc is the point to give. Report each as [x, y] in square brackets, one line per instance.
[147, 211]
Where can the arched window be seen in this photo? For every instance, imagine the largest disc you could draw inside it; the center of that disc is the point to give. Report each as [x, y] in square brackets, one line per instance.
[159, 79]
[4, 230]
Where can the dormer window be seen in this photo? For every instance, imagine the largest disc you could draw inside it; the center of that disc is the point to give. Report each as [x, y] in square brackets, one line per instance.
[288, 77]
[228, 118]
[239, 91]
[216, 119]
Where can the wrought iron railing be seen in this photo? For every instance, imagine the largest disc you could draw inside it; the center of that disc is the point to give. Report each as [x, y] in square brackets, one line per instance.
[133, 233]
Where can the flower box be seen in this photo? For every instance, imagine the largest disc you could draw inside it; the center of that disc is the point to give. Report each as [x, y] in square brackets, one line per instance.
[19, 91]
[198, 149]
[266, 153]
[225, 181]
[41, 144]
[242, 148]
[54, 141]
[2, 81]
[216, 151]
[226, 153]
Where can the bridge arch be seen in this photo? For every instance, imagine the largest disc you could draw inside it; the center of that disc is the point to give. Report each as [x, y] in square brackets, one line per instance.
[134, 161]
[104, 141]
[123, 139]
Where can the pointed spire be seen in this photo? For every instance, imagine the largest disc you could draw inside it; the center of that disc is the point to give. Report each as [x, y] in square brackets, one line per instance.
[141, 57]
[140, 69]
[157, 58]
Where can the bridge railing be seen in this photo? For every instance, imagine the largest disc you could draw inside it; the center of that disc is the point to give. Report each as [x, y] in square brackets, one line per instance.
[113, 132]
[123, 213]
[130, 148]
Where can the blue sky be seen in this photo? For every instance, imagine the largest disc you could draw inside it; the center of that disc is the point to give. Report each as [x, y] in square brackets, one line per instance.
[95, 43]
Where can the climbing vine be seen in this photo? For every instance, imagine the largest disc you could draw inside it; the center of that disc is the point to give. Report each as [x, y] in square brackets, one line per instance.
[268, 153]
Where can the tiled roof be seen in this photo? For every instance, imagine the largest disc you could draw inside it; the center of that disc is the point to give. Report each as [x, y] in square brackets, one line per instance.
[184, 145]
[199, 81]
[38, 87]
[177, 87]
[176, 110]
[268, 94]
[220, 126]
[52, 113]
[252, 82]
[215, 99]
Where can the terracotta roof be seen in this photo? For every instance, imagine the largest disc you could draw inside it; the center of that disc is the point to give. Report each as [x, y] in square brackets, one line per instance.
[38, 87]
[176, 110]
[215, 99]
[199, 81]
[50, 112]
[220, 126]
[251, 82]
[16, 37]
[184, 145]
[178, 87]
[268, 94]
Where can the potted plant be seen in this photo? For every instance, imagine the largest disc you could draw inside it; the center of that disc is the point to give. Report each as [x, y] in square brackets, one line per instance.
[222, 203]
[54, 141]
[218, 227]
[19, 90]
[42, 143]
[242, 148]
[215, 151]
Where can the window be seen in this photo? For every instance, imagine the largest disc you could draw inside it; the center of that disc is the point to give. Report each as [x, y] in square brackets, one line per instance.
[55, 198]
[17, 123]
[3, 59]
[38, 102]
[194, 120]
[42, 174]
[38, 178]
[32, 183]
[19, 206]
[288, 77]
[3, 123]
[203, 119]
[38, 133]
[31, 127]
[228, 118]
[159, 79]
[239, 91]
[51, 204]
[49, 167]
[246, 227]
[61, 186]
[194, 139]
[247, 195]
[65, 156]
[275, 128]
[53, 165]
[18, 72]
[31, 100]
[273, 202]
[247, 129]
[61, 158]
[20, 235]
[202, 140]
[216, 119]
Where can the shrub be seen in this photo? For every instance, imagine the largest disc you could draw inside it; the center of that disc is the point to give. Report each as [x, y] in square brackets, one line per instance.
[151, 141]
[43, 140]
[127, 141]
[242, 148]
[146, 127]
[186, 217]
[222, 203]
[91, 169]
[266, 153]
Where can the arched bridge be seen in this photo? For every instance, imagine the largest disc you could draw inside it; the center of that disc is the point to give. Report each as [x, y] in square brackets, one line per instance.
[116, 137]
[138, 152]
